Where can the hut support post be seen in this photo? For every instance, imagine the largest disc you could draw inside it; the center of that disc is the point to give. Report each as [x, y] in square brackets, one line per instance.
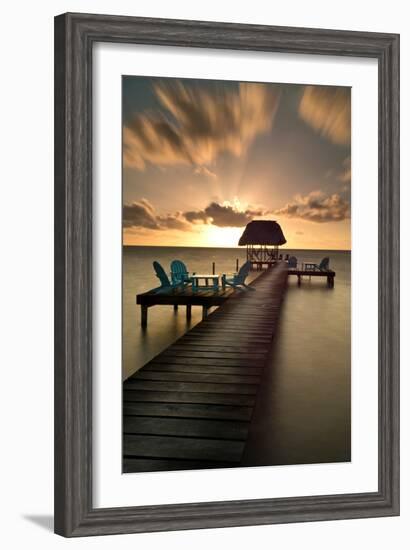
[204, 312]
[175, 307]
[188, 312]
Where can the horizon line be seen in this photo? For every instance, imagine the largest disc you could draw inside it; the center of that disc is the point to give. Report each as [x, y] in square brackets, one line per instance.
[229, 247]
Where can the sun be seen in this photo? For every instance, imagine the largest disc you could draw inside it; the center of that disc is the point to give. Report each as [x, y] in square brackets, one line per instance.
[226, 237]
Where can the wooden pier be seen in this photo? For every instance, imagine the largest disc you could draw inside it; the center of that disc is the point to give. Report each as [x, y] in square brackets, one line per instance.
[186, 296]
[300, 273]
[208, 298]
[260, 265]
[190, 407]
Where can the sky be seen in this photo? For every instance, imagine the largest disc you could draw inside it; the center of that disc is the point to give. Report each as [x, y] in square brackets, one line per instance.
[203, 158]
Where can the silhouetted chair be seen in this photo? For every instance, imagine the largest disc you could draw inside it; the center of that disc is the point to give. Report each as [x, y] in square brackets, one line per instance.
[292, 262]
[238, 279]
[323, 266]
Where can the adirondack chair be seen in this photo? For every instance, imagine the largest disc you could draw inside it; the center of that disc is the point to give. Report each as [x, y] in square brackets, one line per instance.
[238, 279]
[163, 277]
[292, 262]
[179, 273]
[323, 266]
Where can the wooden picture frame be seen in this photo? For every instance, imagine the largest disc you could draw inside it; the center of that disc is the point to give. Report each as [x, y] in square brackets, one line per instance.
[75, 35]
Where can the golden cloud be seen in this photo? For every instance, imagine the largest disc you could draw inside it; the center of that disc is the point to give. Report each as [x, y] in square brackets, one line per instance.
[196, 125]
[223, 215]
[346, 175]
[142, 214]
[317, 207]
[328, 110]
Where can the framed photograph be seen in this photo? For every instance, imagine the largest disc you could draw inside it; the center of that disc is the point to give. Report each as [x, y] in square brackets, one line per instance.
[226, 274]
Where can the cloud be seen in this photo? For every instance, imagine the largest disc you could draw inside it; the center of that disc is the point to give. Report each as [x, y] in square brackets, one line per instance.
[327, 110]
[222, 215]
[142, 214]
[195, 125]
[204, 171]
[317, 207]
[346, 175]
[299, 233]
[194, 216]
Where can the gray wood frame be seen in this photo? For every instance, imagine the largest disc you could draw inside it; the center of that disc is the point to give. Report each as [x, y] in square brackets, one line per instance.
[74, 38]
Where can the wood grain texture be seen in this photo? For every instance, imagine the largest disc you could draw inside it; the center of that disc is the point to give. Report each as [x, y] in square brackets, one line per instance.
[152, 396]
[190, 410]
[75, 35]
[221, 429]
[202, 369]
[182, 447]
[199, 377]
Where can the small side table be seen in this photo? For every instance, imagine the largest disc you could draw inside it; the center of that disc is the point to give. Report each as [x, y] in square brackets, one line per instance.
[206, 278]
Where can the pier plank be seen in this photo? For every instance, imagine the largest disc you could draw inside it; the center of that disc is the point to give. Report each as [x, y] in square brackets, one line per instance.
[203, 369]
[194, 387]
[182, 447]
[193, 343]
[183, 410]
[189, 397]
[211, 429]
[195, 377]
[219, 354]
[212, 361]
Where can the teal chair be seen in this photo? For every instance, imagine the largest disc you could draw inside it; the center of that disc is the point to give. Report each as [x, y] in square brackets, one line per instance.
[292, 262]
[179, 273]
[166, 284]
[238, 280]
[323, 266]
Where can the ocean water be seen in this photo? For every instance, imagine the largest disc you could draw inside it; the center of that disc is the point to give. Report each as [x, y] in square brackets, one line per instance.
[303, 411]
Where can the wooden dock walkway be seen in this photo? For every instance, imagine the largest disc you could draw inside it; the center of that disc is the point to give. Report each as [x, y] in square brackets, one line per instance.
[190, 407]
[208, 297]
[299, 273]
[184, 296]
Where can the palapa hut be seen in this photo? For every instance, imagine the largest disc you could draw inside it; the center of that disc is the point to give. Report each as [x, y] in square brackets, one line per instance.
[262, 239]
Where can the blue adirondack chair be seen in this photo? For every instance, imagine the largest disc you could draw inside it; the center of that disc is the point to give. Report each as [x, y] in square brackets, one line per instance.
[166, 284]
[238, 280]
[179, 273]
[292, 262]
[323, 266]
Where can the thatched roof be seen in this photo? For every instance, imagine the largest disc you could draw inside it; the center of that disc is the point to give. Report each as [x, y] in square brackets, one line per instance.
[262, 232]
